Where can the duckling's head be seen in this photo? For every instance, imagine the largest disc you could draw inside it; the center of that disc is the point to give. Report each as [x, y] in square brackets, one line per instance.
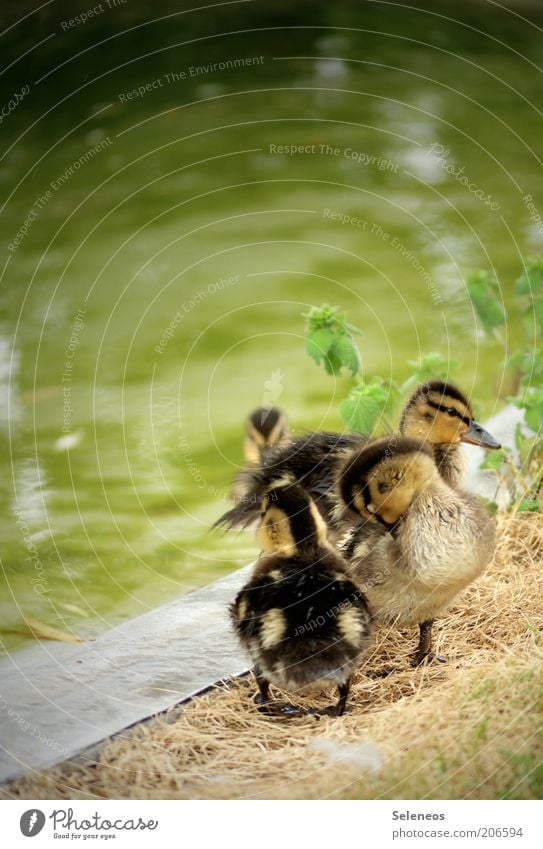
[290, 521]
[381, 481]
[264, 428]
[439, 413]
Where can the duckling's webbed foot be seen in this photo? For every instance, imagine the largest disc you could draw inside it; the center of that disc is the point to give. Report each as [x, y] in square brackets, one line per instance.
[281, 709]
[339, 708]
[263, 685]
[424, 653]
[269, 706]
[343, 690]
[382, 673]
[430, 657]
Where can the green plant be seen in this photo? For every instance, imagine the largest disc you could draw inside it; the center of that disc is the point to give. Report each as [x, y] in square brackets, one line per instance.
[366, 405]
[330, 340]
[521, 470]
[369, 404]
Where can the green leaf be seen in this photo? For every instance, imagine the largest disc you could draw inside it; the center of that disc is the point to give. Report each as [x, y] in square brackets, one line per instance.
[332, 364]
[330, 341]
[529, 292]
[528, 364]
[527, 450]
[490, 505]
[318, 343]
[529, 505]
[530, 281]
[429, 366]
[324, 316]
[346, 351]
[360, 414]
[495, 459]
[538, 311]
[484, 293]
[533, 416]
[331, 317]
[376, 390]
[531, 401]
[364, 406]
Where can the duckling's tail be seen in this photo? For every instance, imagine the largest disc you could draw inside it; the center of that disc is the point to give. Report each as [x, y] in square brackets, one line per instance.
[239, 516]
[253, 484]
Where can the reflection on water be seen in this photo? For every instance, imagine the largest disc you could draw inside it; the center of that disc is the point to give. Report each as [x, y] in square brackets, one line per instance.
[163, 239]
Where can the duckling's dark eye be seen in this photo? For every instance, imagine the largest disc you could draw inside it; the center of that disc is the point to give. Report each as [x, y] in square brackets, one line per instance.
[383, 487]
[451, 411]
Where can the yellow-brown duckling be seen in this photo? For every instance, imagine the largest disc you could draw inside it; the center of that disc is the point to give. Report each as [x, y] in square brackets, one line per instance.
[437, 413]
[440, 415]
[420, 541]
[265, 428]
[300, 618]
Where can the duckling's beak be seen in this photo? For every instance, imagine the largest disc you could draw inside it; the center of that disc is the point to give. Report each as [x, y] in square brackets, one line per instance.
[477, 435]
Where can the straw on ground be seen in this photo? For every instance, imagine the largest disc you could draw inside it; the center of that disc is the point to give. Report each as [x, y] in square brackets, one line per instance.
[471, 729]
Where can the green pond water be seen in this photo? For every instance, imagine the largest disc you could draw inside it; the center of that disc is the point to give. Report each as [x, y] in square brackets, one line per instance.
[154, 295]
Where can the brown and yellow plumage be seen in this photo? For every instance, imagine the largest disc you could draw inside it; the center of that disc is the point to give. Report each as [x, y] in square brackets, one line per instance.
[436, 413]
[300, 618]
[418, 541]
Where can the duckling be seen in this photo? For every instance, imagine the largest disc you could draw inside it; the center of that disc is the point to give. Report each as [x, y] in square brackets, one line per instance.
[300, 618]
[265, 428]
[440, 414]
[436, 412]
[420, 541]
[309, 460]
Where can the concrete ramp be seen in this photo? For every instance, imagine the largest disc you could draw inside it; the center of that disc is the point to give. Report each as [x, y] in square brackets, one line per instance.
[57, 699]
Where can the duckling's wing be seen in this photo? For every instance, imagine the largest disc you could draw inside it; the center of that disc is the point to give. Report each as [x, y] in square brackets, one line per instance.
[308, 460]
[253, 483]
[234, 518]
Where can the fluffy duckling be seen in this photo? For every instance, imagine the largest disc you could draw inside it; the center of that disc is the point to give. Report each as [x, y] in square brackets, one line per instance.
[265, 428]
[300, 618]
[440, 414]
[309, 461]
[421, 541]
[437, 412]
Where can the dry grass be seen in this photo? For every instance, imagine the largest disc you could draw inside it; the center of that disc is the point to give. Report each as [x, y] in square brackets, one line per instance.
[468, 729]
